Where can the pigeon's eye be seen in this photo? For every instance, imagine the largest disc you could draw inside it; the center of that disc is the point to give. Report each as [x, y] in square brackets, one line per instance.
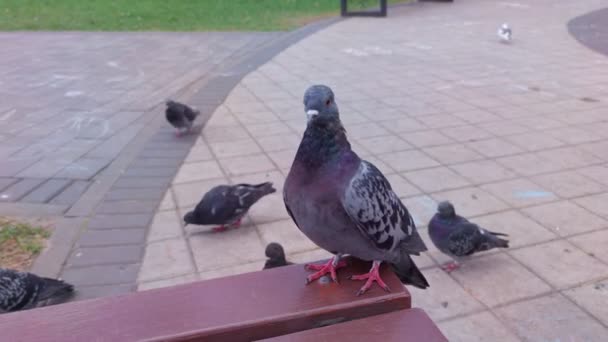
[328, 102]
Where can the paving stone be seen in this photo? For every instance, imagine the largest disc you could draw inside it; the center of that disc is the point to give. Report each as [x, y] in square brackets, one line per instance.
[436, 179]
[595, 204]
[522, 230]
[478, 327]
[401, 186]
[10, 168]
[154, 162]
[480, 277]
[232, 270]
[214, 251]
[547, 324]
[189, 194]
[112, 237]
[593, 244]
[483, 171]
[243, 147]
[165, 259]
[101, 275]
[179, 280]
[588, 296]
[452, 154]
[151, 172]
[5, 182]
[84, 168]
[198, 171]
[151, 194]
[141, 182]
[559, 263]
[247, 164]
[408, 160]
[19, 189]
[46, 191]
[119, 221]
[287, 234]
[520, 192]
[165, 225]
[71, 193]
[445, 298]
[569, 184]
[89, 292]
[89, 256]
[127, 207]
[565, 218]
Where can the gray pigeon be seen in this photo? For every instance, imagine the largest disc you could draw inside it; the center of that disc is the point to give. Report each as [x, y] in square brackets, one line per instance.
[22, 291]
[457, 237]
[504, 33]
[276, 256]
[180, 116]
[344, 204]
[227, 204]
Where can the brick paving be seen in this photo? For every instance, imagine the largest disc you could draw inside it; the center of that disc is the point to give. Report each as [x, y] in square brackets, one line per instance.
[514, 135]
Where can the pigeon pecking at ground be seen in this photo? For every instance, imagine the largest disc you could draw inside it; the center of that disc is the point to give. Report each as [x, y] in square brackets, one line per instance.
[180, 116]
[344, 204]
[227, 204]
[504, 32]
[276, 256]
[457, 237]
[22, 291]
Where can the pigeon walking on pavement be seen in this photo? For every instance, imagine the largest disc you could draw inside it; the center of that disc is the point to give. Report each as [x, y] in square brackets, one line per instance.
[344, 204]
[276, 256]
[226, 205]
[22, 291]
[455, 236]
[504, 33]
[180, 116]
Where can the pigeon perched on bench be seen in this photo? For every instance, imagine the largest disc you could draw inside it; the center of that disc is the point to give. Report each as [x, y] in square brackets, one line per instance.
[227, 204]
[276, 256]
[180, 116]
[504, 33]
[344, 204]
[22, 291]
[455, 236]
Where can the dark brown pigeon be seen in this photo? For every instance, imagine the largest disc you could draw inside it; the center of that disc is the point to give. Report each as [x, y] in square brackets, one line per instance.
[22, 291]
[344, 204]
[227, 204]
[276, 256]
[180, 116]
[457, 237]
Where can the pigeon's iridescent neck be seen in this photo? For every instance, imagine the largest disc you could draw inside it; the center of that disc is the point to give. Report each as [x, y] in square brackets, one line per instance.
[324, 140]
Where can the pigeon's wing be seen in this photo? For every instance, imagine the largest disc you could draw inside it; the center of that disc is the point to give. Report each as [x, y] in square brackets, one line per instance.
[220, 204]
[190, 113]
[16, 290]
[289, 210]
[377, 211]
[464, 239]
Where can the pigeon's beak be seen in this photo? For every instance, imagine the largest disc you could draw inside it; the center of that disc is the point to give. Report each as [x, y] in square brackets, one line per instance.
[311, 113]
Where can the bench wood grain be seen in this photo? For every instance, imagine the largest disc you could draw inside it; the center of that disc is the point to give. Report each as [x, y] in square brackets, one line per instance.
[238, 308]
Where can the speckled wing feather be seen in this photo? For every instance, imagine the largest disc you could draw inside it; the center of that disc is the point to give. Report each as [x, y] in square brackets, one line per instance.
[465, 240]
[376, 210]
[15, 290]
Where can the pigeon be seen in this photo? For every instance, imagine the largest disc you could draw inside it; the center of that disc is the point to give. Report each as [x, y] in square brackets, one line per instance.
[276, 256]
[455, 236]
[227, 204]
[22, 291]
[180, 116]
[344, 204]
[504, 32]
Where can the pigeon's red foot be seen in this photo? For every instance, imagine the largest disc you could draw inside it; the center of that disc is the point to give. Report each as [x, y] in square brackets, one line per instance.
[450, 266]
[371, 276]
[323, 269]
[219, 229]
[236, 223]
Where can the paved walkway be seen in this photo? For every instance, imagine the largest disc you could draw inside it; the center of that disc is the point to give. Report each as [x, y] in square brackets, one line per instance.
[516, 136]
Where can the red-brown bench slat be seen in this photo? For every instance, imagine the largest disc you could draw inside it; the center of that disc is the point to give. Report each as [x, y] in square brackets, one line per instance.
[412, 325]
[238, 308]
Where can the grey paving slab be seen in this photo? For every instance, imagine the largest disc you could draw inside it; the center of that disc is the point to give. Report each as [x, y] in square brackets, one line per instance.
[91, 256]
[46, 191]
[16, 191]
[112, 237]
[71, 194]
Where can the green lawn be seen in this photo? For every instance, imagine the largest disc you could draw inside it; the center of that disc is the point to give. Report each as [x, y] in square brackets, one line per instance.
[166, 15]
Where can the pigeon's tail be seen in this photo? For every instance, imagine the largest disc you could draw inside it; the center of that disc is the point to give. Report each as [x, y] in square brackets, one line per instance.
[55, 291]
[265, 188]
[491, 241]
[409, 274]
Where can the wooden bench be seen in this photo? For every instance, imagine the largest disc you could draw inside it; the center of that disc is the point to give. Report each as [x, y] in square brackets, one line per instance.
[244, 307]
